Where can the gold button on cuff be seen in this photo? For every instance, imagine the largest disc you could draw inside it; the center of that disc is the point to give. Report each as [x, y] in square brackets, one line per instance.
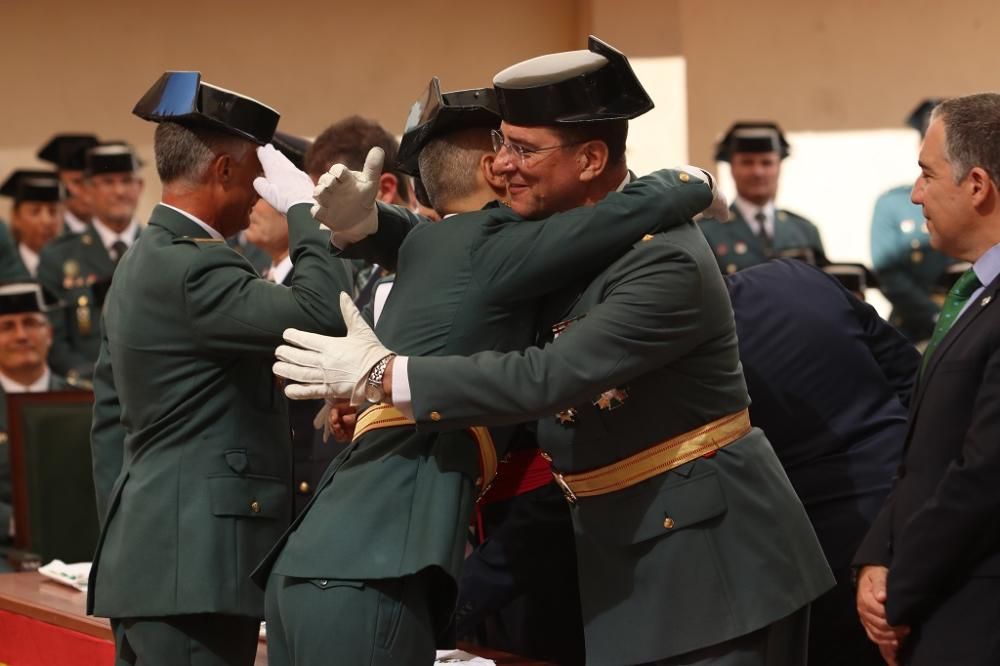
[668, 523]
[684, 177]
[255, 506]
[435, 416]
[304, 487]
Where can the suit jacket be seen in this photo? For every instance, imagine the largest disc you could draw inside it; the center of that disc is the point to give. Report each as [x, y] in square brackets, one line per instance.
[908, 267]
[77, 269]
[468, 283]
[192, 465]
[56, 383]
[830, 381]
[737, 247]
[738, 552]
[939, 531]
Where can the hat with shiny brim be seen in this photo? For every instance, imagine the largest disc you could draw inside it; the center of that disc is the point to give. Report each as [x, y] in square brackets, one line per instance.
[293, 147]
[752, 137]
[19, 297]
[436, 114]
[30, 185]
[183, 98]
[571, 88]
[112, 157]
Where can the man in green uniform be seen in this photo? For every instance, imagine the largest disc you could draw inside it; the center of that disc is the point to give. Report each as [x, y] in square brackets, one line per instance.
[68, 153]
[908, 268]
[77, 268]
[369, 571]
[11, 269]
[692, 545]
[756, 230]
[36, 217]
[25, 339]
[190, 435]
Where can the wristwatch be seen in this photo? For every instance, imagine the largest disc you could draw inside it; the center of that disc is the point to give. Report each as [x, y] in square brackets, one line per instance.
[373, 388]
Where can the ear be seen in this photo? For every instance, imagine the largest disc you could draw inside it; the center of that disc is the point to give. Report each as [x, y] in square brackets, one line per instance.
[495, 181]
[592, 157]
[222, 168]
[980, 186]
[387, 192]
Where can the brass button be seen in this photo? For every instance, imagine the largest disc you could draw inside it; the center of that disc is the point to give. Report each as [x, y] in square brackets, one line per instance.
[731, 268]
[304, 487]
[82, 301]
[435, 416]
[255, 506]
[668, 523]
[684, 177]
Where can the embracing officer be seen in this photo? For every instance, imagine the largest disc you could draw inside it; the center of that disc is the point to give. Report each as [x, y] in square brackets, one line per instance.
[756, 229]
[691, 544]
[190, 435]
[77, 268]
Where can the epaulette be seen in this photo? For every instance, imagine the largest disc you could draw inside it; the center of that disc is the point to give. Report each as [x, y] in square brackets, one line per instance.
[74, 379]
[198, 241]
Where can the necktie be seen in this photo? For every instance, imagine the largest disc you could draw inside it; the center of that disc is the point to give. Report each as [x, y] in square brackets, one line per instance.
[957, 296]
[118, 247]
[765, 240]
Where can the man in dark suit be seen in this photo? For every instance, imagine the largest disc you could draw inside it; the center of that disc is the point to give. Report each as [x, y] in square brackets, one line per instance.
[829, 381]
[929, 579]
[691, 544]
[77, 268]
[404, 498]
[756, 230]
[190, 435]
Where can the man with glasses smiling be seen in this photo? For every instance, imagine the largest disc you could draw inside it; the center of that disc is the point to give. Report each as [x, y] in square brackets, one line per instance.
[691, 544]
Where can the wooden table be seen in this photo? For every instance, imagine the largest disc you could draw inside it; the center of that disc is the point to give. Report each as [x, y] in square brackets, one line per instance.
[58, 614]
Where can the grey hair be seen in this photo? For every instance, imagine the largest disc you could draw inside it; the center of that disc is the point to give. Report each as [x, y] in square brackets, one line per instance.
[972, 134]
[448, 165]
[184, 153]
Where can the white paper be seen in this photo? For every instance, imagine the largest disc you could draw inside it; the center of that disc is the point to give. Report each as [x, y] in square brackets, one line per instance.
[73, 575]
[460, 657]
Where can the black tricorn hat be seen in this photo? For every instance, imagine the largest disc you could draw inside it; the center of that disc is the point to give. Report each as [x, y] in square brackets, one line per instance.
[26, 296]
[570, 88]
[30, 185]
[293, 147]
[67, 151]
[435, 114]
[182, 98]
[111, 157]
[752, 137]
[920, 117]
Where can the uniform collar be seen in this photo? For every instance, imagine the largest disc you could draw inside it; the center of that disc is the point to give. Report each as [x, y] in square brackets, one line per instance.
[39, 386]
[749, 210]
[214, 233]
[109, 237]
[29, 258]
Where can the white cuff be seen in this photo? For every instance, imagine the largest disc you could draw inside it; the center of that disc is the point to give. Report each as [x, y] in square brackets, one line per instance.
[401, 396]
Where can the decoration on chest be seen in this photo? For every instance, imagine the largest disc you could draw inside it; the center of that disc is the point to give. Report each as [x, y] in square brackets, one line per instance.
[611, 399]
[567, 417]
[84, 324]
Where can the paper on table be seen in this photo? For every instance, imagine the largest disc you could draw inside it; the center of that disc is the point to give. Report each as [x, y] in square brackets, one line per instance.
[460, 657]
[74, 575]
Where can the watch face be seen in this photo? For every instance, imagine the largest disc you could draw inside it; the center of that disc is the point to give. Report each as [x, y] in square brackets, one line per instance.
[373, 393]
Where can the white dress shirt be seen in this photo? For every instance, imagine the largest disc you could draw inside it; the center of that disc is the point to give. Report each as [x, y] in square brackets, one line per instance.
[749, 212]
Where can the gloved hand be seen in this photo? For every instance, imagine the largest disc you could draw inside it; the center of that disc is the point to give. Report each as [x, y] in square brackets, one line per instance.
[330, 367]
[719, 208]
[345, 199]
[282, 184]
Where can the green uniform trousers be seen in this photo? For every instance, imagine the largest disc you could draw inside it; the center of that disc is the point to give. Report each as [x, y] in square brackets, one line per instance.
[321, 622]
[781, 643]
[205, 639]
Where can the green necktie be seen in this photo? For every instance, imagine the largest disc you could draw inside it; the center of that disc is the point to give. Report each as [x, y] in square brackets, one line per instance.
[959, 294]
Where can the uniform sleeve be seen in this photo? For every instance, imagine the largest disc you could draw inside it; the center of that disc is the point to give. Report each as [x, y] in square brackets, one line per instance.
[234, 310]
[569, 246]
[382, 247]
[107, 434]
[651, 314]
[957, 525]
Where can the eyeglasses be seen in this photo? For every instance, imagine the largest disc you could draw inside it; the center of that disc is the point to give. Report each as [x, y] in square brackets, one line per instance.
[521, 153]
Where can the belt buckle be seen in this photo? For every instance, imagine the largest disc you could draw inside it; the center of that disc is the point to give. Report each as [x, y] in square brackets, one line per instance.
[567, 491]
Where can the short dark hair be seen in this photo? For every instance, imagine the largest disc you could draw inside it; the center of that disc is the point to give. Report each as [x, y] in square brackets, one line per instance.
[972, 134]
[184, 153]
[347, 142]
[448, 165]
[614, 133]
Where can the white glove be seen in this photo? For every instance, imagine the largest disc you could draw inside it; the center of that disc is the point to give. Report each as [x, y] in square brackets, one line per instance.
[330, 367]
[719, 208]
[282, 184]
[345, 199]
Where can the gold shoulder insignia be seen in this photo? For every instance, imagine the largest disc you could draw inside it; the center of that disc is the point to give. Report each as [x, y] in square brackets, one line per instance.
[647, 237]
[782, 215]
[87, 239]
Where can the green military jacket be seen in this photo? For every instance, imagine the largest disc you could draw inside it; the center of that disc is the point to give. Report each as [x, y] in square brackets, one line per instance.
[736, 246]
[77, 269]
[701, 554]
[11, 267]
[909, 269]
[56, 383]
[192, 462]
[398, 501]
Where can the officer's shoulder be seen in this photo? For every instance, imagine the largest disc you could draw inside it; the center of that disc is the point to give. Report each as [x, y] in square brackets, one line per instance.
[201, 243]
[795, 218]
[62, 243]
